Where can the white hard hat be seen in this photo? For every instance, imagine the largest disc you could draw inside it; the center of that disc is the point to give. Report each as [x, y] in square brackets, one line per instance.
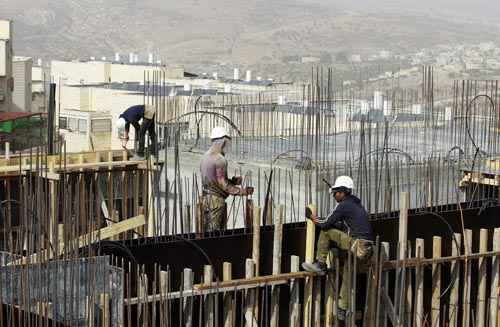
[219, 132]
[343, 182]
[120, 123]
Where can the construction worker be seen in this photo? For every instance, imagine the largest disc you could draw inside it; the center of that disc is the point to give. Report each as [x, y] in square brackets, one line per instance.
[348, 228]
[132, 116]
[216, 185]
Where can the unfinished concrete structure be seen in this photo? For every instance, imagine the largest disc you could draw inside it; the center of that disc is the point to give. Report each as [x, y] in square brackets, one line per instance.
[436, 254]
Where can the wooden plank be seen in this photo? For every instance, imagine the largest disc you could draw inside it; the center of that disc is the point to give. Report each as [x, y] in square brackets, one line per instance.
[104, 166]
[384, 284]
[403, 225]
[329, 292]
[228, 296]
[400, 290]
[436, 283]
[410, 263]
[269, 214]
[309, 282]
[53, 210]
[467, 280]
[317, 302]
[151, 225]
[370, 316]
[208, 276]
[481, 305]
[90, 312]
[164, 305]
[7, 150]
[256, 238]
[294, 307]
[253, 282]
[187, 305]
[250, 298]
[419, 282]
[455, 275]
[104, 304]
[495, 271]
[87, 239]
[187, 219]
[277, 243]
[256, 252]
[142, 294]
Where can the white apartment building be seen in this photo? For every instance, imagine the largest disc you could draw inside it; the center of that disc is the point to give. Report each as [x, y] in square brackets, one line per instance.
[6, 81]
[100, 72]
[22, 95]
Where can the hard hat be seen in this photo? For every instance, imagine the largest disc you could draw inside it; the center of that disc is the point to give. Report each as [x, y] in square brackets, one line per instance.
[120, 123]
[219, 132]
[343, 182]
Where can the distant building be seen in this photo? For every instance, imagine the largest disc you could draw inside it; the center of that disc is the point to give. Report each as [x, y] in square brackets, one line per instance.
[355, 58]
[22, 94]
[37, 89]
[99, 72]
[384, 54]
[6, 81]
[309, 59]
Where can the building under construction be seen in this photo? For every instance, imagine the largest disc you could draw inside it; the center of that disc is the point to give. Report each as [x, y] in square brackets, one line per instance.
[97, 239]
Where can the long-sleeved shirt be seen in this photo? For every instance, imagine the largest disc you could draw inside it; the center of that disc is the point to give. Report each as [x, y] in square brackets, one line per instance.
[351, 214]
[133, 115]
[214, 175]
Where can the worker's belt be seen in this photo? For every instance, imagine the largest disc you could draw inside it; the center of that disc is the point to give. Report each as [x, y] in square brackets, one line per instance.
[212, 193]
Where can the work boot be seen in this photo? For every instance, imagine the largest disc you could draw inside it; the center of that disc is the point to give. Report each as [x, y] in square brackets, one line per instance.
[315, 267]
[341, 314]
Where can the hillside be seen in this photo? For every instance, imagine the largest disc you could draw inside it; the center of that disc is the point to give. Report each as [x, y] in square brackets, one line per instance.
[232, 31]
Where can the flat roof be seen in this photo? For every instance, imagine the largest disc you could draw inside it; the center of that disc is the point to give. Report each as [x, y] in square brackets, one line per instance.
[6, 116]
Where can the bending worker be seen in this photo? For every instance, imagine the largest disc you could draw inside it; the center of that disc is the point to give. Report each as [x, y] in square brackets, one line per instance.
[348, 228]
[132, 116]
[216, 185]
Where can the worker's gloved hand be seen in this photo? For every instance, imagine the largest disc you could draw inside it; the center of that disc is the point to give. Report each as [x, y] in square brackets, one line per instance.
[311, 215]
[247, 191]
[237, 180]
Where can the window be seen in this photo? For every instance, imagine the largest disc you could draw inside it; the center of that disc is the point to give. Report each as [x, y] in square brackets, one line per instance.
[73, 124]
[82, 126]
[101, 125]
[63, 122]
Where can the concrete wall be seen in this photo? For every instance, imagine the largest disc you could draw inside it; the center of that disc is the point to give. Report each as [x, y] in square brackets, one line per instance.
[130, 73]
[22, 95]
[93, 72]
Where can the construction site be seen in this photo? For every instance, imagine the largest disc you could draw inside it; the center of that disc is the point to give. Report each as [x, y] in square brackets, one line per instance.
[101, 238]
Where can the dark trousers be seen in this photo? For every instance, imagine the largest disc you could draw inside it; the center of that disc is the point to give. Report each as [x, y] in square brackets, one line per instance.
[147, 125]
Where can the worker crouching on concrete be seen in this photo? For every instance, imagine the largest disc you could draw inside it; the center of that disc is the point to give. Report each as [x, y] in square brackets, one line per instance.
[132, 116]
[216, 185]
[347, 227]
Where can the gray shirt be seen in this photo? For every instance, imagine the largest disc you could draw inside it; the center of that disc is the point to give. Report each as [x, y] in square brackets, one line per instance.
[214, 175]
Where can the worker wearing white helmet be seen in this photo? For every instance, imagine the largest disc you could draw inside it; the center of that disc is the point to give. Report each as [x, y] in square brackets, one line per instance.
[348, 228]
[132, 116]
[215, 182]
